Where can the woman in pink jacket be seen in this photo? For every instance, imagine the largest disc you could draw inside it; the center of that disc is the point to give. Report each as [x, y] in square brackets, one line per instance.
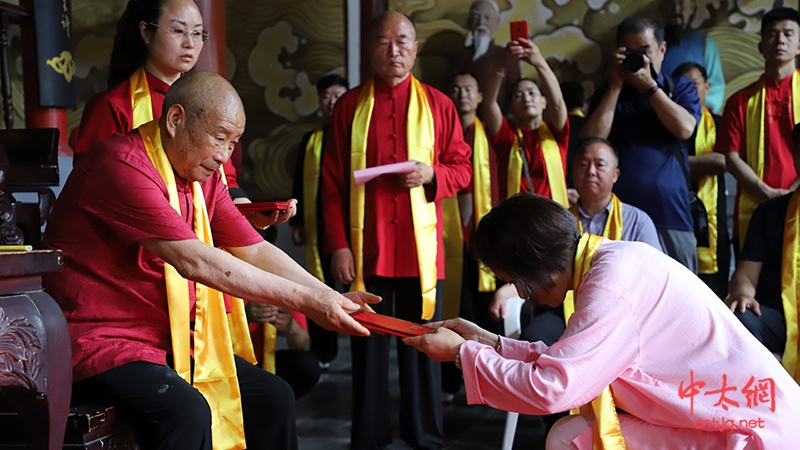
[681, 368]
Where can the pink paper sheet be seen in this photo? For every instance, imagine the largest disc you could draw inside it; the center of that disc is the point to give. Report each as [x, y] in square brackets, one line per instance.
[364, 175]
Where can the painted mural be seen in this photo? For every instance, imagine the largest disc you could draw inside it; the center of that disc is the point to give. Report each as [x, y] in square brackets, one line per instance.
[278, 49]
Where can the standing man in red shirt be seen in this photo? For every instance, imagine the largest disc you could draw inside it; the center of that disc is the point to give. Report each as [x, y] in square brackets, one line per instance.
[531, 154]
[756, 129]
[386, 235]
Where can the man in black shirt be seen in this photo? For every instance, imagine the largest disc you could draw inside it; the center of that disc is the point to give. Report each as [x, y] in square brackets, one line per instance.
[755, 287]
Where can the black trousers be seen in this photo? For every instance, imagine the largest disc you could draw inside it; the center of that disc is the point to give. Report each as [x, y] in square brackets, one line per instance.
[475, 308]
[324, 343]
[769, 328]
[298, 368]
[544, 323]
[168, 413]
[420, 376]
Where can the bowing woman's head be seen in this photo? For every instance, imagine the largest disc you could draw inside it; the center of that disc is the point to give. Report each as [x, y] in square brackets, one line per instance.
[530, 240]
[166, 36]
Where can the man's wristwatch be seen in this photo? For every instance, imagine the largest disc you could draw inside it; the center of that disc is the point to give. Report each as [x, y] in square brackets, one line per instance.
[651, 91]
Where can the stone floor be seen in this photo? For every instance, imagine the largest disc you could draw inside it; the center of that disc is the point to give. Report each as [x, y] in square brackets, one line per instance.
[323, 416]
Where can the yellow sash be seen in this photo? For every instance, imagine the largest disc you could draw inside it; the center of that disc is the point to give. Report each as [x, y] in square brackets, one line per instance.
[707, 191]
[215, 370]
[268, 344]
[420, 138]
[141, 102]
[754, 131]
[613, 228]
[790, 291]
[607, 432]
[553, 165]
[311, 164]
[453, 234]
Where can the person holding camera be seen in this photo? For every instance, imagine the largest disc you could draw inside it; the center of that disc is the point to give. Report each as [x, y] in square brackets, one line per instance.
[647, 117]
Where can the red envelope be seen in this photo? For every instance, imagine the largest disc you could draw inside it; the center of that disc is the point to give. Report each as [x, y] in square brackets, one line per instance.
[390, 325]
[265, 207]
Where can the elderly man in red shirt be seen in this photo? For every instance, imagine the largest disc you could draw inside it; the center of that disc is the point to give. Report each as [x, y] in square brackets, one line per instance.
[387, 234]
[137, 222]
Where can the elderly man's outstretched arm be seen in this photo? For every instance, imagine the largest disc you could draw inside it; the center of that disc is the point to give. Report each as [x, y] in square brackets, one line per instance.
[265, 274]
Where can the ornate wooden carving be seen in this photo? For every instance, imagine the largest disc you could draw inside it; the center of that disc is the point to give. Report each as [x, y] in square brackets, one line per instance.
[19, 351]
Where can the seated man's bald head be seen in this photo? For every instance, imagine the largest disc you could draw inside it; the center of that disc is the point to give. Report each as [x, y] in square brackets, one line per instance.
[198, 92]
[202, 121]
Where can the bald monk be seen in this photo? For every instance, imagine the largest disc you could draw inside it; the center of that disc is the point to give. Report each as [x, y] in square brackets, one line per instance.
[138, 223]
[387, 234]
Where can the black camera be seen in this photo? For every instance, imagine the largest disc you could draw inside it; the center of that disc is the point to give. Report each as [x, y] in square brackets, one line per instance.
[633, 61]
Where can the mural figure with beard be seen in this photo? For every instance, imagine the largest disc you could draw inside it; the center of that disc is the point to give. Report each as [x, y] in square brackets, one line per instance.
[687, 45]
[480, 54]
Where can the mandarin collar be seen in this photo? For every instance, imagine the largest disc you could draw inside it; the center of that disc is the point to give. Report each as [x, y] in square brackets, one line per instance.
[156, 84]
[786, 81]
[383, 86]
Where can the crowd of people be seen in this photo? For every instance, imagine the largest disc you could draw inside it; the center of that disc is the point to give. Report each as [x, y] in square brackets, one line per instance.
[520, 187]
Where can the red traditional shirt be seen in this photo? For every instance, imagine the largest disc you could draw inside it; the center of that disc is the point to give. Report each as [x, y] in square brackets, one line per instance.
[112, 290]
[504, 141]
[779, 169]
[111, 112]
[389, 245]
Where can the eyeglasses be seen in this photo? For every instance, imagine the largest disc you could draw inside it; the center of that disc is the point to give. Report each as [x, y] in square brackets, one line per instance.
[178, 33]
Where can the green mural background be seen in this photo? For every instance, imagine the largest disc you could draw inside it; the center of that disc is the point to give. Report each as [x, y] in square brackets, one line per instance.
[278, 49]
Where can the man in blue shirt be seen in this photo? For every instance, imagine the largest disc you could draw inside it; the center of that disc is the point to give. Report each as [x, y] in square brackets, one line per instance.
[687, 45]
[647, 117]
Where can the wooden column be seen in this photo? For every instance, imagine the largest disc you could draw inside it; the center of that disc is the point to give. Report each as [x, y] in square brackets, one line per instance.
[35, 115]
[214, 57]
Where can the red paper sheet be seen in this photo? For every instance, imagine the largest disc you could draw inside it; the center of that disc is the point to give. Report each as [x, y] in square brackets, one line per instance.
[390, 325]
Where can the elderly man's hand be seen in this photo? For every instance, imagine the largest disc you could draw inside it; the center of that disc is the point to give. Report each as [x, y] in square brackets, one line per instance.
[422, 174]
[440, 344]
[331, 310]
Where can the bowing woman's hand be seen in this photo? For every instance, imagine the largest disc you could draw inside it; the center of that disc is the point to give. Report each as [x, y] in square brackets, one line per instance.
[448, 336]
[441, 344]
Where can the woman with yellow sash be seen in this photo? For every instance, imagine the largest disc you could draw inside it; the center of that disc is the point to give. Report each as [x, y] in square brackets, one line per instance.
[156, 42]
[531, 154]
[649, 350]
